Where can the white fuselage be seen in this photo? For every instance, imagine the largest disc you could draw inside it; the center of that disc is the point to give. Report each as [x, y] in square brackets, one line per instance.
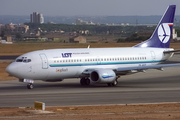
[70, 63]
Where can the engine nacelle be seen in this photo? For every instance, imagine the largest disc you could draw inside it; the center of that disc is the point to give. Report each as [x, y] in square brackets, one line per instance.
[103, 76]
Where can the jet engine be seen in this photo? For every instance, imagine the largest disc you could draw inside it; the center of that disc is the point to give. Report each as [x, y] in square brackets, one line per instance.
[103, 76]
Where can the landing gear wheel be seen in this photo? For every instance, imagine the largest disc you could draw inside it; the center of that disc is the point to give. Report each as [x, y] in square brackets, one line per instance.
[30, 86]
[115, 83]
[82, 81]
[85, 81]
[109, 84]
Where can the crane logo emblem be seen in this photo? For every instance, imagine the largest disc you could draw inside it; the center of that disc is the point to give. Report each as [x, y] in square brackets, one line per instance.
[164, 32]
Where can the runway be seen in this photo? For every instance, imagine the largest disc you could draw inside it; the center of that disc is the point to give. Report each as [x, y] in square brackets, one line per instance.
[150, 87]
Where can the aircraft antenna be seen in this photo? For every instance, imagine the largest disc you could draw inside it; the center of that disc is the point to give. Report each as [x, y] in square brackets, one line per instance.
[88, 46]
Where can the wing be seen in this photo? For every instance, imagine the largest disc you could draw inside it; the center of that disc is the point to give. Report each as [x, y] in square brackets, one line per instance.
[141, 68]
[126, 70]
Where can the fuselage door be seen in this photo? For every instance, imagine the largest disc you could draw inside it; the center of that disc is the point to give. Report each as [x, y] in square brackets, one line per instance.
[153, 56]
[44, 61]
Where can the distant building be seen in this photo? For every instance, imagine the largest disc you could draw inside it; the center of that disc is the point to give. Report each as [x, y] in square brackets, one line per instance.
[81, 22]
[9, 26]
[8, 40]
[0, 27]
[15, 28]
[78, 22]
[21, 28]
[174, 36]
[77, 39]
[37, 18]
[86, 32]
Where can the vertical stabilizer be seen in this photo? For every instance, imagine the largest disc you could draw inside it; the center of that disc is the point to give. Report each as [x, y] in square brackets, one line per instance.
[163, 32]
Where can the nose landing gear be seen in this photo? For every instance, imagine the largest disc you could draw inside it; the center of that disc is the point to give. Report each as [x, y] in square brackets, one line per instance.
[30, 83]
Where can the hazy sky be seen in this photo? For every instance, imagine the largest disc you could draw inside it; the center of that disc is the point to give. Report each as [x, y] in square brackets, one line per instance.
[86, 7]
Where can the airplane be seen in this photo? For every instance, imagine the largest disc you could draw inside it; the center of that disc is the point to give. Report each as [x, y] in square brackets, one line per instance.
[98, 65]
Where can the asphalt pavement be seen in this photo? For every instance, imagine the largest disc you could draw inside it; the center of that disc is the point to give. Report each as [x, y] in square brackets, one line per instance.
[154, 86]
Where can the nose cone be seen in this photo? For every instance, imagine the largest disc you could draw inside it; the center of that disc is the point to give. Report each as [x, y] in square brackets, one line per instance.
[12, 69]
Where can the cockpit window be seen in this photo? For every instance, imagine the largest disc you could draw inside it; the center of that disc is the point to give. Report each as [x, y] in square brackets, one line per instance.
[24, 60]
[19, 60]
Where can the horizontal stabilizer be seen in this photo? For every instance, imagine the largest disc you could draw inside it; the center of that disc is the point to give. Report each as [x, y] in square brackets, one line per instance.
[172, 51]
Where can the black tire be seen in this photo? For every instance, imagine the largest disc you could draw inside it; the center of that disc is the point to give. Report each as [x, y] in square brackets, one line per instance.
[30, 86]
[82, 81]
[115, 83]
[109, 84]
[87, 81]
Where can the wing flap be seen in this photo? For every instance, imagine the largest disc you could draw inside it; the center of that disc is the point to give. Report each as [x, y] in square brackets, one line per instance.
[138, 68]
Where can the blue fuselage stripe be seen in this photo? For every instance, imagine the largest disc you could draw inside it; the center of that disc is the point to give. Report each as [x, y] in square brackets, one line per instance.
[107, 63]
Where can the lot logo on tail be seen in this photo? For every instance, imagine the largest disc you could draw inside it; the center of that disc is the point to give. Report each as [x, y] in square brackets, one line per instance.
[164, 32]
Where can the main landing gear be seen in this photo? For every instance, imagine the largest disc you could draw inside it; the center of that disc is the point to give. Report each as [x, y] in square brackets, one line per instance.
[30, 86]
[115, 83]
[85, 81]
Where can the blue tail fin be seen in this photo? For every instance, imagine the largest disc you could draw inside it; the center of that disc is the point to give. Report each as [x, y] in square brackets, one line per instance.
[162, 34]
